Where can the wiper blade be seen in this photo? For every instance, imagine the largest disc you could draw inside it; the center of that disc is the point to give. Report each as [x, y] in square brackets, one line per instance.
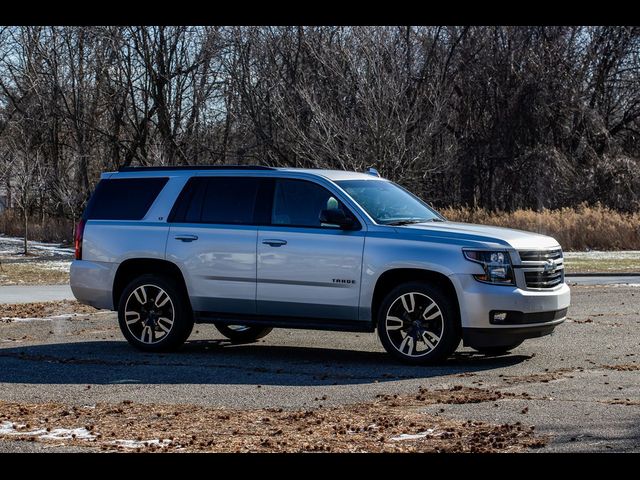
[406, 221]
[410, 221]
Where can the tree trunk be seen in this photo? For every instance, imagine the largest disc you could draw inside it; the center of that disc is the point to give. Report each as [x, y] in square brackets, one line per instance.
[73, 226]
[26, 227]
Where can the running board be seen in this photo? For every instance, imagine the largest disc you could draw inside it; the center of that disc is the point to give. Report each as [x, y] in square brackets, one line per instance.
[284, 322]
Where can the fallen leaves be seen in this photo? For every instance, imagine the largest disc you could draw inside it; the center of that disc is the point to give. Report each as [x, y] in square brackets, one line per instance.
[543, 377]
[626, 367]
[43, 309]
[366, 427]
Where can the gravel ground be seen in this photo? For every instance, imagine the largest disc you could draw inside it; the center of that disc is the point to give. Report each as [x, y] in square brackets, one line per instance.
[578, 388]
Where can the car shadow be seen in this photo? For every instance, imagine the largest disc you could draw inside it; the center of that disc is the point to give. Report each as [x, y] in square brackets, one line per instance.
[220, 362]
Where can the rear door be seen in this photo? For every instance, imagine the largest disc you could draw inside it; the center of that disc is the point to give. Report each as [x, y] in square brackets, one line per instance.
[305, 268]
[212, 238]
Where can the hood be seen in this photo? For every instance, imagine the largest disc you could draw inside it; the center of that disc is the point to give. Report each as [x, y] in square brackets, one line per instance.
[473, 234]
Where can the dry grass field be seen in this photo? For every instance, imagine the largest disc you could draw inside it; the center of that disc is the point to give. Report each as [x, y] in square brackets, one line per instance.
[582, 228]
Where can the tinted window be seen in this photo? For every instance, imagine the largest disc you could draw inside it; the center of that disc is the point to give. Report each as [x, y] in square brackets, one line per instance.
[229, 200]
[299, 203]
[194, 207]
[183, 201]
[123, 199]
[217, 200]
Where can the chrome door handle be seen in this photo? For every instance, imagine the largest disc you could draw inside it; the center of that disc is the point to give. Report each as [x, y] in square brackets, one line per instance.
[186, 238]
[274, 242]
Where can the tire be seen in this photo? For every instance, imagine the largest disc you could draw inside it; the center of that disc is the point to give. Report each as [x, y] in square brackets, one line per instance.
[497, 350]
[242, 333]
[169, 313]
[431, 339]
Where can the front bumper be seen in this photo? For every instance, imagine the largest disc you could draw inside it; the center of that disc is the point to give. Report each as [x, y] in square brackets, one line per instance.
[477, 300]
[491, 337]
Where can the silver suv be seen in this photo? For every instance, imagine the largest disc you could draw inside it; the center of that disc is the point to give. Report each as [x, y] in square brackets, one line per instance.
[252, 248]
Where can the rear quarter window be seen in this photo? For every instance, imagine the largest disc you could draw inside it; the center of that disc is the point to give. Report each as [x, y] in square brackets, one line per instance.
[123, 198]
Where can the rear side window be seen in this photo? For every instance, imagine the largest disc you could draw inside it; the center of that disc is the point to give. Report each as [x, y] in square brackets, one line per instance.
[123, 199]
[221, 200]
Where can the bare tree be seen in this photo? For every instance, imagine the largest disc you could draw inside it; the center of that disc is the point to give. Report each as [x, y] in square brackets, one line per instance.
[481, 116]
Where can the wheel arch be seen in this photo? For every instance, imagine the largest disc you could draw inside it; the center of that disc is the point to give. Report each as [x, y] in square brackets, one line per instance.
[394, 277]
[132, 268]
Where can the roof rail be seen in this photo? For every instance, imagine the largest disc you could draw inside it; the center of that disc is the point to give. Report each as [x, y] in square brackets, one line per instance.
[195, 167]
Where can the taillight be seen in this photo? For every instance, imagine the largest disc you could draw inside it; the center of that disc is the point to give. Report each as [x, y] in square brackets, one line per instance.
[78, 239]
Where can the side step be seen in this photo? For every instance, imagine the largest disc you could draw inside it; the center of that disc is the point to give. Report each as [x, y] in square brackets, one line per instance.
[284, 322]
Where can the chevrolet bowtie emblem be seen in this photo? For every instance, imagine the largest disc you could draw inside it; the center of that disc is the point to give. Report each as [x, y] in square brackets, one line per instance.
[550, 266]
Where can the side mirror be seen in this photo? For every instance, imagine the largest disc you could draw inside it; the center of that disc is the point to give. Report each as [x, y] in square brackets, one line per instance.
[336, 216]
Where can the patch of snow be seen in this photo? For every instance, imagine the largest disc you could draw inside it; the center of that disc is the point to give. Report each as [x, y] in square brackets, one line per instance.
[63, 316]
[604, 255]
[7, 428]
[67, 433]
[416, 436]
[41, 247]
[10, 428]
[59, 265]
[140, 443]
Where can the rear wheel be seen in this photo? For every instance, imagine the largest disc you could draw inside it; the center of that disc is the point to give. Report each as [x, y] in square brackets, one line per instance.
[242, 333]
[418, 324]
[153, 314]
[497, 350]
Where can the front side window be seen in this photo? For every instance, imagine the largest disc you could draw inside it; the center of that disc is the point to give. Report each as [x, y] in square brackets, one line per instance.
[298, 203]
[387, 203]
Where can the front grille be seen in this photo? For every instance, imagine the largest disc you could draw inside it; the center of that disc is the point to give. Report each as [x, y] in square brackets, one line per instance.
[544, 280]
[540, 255]
[537, 259]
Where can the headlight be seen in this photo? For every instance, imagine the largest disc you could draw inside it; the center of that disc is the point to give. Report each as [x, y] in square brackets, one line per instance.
[496, 265]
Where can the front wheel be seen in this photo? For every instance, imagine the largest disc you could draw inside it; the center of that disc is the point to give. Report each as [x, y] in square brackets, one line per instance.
[242, 333]
[418, 324]
[153, 314]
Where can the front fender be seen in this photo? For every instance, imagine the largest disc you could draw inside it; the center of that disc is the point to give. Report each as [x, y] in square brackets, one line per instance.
[384, 252]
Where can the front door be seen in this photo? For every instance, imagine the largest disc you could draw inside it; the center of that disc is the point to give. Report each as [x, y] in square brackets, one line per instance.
[307, 269]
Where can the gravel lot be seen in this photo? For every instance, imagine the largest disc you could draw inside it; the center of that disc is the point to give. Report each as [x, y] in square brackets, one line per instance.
[579, 388]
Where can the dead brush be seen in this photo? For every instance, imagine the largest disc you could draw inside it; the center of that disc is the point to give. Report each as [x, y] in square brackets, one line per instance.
[582, 228]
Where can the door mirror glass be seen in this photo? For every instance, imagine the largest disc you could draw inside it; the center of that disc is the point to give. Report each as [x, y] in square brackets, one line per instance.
[336, 216]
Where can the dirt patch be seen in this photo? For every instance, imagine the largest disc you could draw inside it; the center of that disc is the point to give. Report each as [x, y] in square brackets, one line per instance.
[370, 427]
[625, 367]
[571, 320]
[620, 401]
[11, 311]
[34, 273]
[543, 377]
[454, 395]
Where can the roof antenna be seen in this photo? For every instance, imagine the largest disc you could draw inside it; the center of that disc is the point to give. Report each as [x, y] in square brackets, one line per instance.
[372, 171]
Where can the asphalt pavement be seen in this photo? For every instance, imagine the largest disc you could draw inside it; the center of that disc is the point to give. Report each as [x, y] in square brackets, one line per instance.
[582, 382]
[34, 293]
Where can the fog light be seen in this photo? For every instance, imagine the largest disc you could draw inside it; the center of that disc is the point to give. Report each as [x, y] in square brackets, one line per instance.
[499, 316]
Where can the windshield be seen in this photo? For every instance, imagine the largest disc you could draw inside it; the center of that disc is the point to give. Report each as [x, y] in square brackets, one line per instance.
[388, 203]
